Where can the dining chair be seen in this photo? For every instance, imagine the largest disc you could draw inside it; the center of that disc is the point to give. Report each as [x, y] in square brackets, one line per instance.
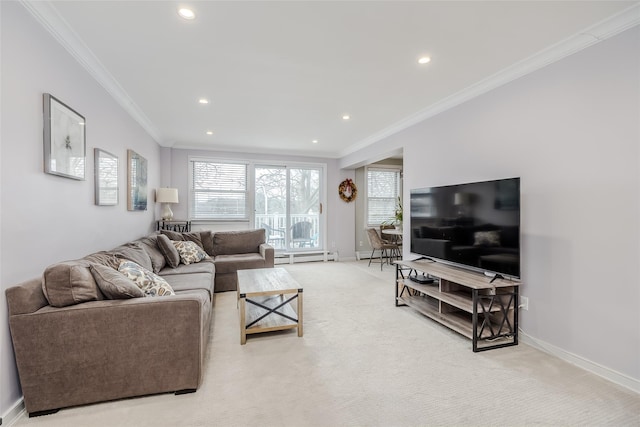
[377, 244]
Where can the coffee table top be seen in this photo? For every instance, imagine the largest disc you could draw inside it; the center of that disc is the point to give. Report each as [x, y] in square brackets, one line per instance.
[266, 281]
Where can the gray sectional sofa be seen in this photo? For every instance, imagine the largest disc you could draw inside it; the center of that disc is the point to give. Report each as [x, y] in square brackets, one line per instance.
[74, 346]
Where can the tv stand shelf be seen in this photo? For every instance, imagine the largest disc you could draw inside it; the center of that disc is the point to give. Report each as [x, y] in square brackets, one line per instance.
[466, 302]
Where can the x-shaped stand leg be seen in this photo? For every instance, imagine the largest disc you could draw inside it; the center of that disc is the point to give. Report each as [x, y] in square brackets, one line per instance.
[272, 310]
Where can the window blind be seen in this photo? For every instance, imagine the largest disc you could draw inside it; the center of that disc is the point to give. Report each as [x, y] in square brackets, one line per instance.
[218, 190]
[383, 189]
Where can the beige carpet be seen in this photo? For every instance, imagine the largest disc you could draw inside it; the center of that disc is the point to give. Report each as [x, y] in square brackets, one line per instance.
[364, 362]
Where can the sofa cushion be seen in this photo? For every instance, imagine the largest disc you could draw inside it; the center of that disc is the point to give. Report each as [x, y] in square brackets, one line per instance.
[105, 258]
[207, 242]
[169, 251]
[113, 284]
[193, 236]
[150, 283]
[185, 282]
[233, 263]
[238, 242]
[150, 245]
[190, 253]
[205, 266]
[70, 282]
[133, 252]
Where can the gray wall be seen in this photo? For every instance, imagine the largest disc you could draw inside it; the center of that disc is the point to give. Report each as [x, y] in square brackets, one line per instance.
[570, 131]
[340, 226]
[45, 218]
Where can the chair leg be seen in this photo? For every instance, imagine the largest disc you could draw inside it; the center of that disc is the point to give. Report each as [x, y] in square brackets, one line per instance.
[383, 253]
[371, 257]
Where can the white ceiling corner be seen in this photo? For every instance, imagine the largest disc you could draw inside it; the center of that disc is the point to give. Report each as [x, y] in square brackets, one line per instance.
[273, 92]
[51, 20]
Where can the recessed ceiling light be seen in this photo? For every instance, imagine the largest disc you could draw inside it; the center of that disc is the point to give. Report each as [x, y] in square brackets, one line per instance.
[209, 132]
[203, 101]
[346, 117]
[315, 141]
[424, 60]
[186, 13]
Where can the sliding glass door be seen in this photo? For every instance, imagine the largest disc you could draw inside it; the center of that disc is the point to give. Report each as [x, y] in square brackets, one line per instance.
[288, 205]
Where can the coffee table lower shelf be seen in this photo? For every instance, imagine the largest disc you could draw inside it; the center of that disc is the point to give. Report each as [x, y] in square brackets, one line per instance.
[277, 316]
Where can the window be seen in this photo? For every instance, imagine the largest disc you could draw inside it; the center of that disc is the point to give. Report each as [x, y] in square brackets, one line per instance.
[217, 190]
[383, 190]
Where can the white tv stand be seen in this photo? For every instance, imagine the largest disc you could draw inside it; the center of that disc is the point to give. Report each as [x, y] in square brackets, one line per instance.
[483, 309]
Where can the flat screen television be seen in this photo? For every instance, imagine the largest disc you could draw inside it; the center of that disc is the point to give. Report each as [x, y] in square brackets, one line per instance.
[474, 225]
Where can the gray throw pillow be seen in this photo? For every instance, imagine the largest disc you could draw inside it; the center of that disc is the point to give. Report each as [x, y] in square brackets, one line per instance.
[168, 250]
[113, 284]
[192, 236]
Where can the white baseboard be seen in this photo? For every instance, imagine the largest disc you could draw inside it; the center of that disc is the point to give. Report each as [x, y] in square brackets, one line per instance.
[10, 417]
[307, 256]
[619, 378]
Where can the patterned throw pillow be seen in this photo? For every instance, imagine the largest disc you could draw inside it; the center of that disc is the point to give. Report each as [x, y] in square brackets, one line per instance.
[486, 238]
[189, 252]
[151, 284]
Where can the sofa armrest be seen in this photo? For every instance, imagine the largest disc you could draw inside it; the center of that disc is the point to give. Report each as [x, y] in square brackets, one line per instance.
[268, 253]
[104, 350]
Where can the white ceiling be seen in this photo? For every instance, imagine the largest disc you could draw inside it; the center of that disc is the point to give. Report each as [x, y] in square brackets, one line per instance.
[281, 74]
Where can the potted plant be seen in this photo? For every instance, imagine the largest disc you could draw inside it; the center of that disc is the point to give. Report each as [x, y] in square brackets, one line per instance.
[397, 216]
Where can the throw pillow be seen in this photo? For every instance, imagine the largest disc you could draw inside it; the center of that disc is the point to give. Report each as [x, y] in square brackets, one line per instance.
[114, 285]
[190, 236]
[168, 250]
[150, 283]
[486, 238]
[150, 245]
[133, 252]
[189, 252]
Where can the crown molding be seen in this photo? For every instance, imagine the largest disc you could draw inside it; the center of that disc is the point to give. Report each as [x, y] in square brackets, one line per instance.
[601, 31]
[46, 14]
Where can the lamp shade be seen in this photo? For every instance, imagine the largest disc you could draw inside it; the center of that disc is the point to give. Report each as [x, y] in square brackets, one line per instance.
[167, 195]
[461, 198]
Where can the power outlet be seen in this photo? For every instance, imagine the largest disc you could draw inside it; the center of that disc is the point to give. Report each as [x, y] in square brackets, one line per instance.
[333, 244]
[524, 303]
[360, 243]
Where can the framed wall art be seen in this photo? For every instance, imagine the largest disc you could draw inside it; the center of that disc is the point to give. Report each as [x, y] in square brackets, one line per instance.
[106, 178]
[64, 139]
[136, 182]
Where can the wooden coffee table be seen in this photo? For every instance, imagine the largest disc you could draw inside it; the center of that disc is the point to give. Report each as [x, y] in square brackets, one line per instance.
[265, 297]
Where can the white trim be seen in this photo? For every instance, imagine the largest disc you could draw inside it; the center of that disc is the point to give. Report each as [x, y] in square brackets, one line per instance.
[14, 414]
[603, 30]
[579, 361]
[46, 14]
[307, 256]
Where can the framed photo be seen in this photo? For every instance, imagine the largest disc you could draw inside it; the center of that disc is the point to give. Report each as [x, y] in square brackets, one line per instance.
[106, 178]
[64, 139]
[136, 182]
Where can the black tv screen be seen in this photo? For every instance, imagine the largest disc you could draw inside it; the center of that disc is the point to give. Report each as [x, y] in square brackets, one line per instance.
[474, 225]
